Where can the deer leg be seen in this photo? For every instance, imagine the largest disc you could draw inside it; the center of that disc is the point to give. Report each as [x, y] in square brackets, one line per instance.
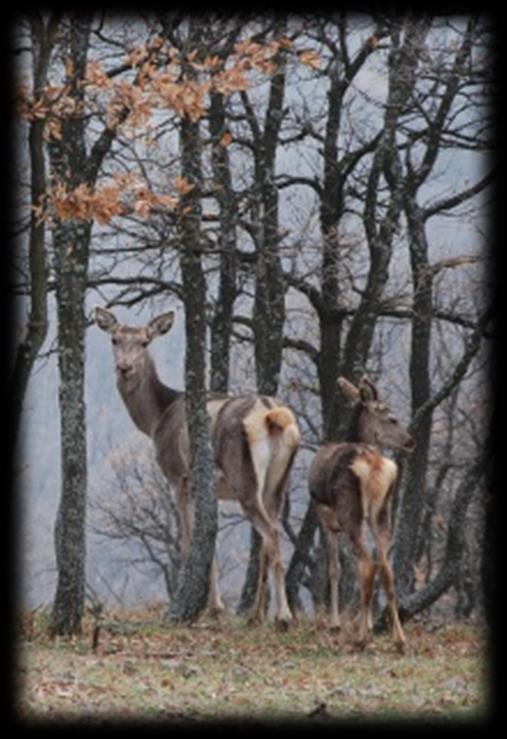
[366, 572]
[283, 614]
[263, 519]
[184, 504]
[214, 606]
[333, 566]
[259, 604]
[382, 538]
[270, 555]
[388, 580]
[274, 498]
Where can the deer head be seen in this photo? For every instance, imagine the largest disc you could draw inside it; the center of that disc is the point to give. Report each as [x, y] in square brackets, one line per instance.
[130, 343]
[376, 423]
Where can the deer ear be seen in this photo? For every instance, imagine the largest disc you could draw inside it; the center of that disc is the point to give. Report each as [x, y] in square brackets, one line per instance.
[104, 319]
[348, 389]
[160, 324]
[367, 389]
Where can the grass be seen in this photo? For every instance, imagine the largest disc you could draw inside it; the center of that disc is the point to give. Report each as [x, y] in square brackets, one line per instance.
[143, 669]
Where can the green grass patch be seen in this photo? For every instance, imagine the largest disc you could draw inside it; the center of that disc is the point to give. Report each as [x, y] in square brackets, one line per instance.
[148, 670]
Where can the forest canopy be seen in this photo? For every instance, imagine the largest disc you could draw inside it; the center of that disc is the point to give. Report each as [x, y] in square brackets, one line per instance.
[312, 193]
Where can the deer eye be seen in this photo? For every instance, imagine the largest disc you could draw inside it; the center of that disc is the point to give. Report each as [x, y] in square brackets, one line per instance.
[114, 341]
[145, 343]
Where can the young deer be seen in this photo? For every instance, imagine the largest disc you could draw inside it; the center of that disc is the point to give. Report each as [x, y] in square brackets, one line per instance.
[352, 482]
[254, 440]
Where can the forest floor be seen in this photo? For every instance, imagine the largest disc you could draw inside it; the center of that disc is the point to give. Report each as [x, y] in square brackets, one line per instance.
[144, 670]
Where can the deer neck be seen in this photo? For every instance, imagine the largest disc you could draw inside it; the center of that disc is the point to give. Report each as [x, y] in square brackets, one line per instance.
[359, 431]
[146, 399]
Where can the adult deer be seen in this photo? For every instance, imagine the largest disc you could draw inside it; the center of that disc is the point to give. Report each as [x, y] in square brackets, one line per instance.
[352, 482]
[254, 440]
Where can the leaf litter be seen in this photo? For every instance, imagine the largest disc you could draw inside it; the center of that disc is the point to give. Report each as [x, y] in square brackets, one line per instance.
[238, 671]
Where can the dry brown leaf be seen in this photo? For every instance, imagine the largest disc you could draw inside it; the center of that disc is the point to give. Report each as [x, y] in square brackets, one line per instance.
[226, 139]
[183, 186]
[310, 59]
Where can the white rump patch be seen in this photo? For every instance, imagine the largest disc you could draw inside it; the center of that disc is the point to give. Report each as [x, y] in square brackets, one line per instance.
[255, 423]
[270, 454]
[261, 458]
[376, 476]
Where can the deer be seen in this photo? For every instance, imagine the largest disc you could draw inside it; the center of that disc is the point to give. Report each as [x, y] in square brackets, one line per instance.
[351, 483]
[254, 440]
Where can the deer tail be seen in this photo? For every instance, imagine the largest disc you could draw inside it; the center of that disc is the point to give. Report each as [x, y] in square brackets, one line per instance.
[281, 420]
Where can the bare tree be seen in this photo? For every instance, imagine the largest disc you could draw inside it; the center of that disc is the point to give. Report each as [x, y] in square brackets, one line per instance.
[71, 242]
[74, 166]
[386, 186]
[42, 35]
[137, 508]
[305, 241]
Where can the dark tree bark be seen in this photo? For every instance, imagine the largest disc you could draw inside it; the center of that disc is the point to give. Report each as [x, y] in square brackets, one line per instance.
[193, 581]
[71, 240]
[221, 327]
[447, 576]
[301, 558]
[423, 399]
[337, 168]
[413, 499]
[269, 300]
[71, 244]
[43, 35]
[490, 554]
[331, 211]
[338, 165]
[380, 223]
[71, 164]
[407, 40]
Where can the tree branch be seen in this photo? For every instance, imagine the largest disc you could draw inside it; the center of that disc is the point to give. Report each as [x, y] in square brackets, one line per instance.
[446, 204]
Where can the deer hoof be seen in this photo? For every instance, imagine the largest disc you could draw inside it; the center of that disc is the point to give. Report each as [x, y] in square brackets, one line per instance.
[254, 620]
[282, 624]
[362, 641]
[401, 646]
[216, 613]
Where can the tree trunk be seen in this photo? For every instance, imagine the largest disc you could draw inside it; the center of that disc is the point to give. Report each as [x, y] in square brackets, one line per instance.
[410, 508]
[380, 223]
[43, 37]
[301, 559]
[71, 241]
[221, 327]
[410, 605]
[269, 299]
[331, 211]
[252, 573]
[193, 581]
[413, 496]
[489, 566]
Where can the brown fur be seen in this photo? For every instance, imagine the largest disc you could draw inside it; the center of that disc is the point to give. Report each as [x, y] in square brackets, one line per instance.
[279, 418]
[376, 475]
[254, 440]
[277, 421]
[352, 482]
